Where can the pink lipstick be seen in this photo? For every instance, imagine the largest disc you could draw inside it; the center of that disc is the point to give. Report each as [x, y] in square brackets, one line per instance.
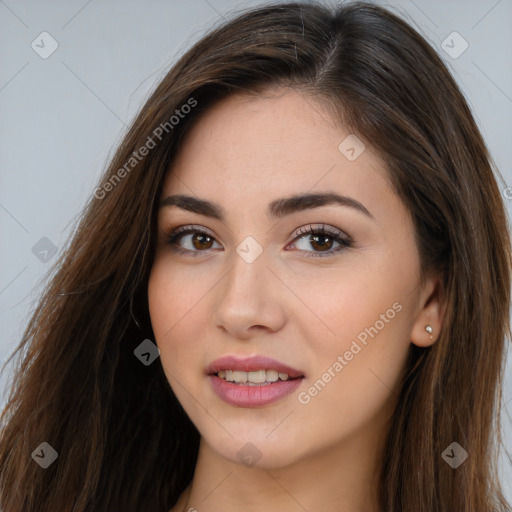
[253, 381]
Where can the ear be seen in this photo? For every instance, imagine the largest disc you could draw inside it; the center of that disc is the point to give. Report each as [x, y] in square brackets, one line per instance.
[431, 311]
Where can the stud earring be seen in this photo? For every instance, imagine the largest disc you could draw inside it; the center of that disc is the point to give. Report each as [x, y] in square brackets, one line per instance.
[429, 329]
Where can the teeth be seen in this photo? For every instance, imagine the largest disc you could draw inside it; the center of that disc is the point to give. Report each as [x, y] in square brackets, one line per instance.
[240, 376]
[273, 376]
[257, 378]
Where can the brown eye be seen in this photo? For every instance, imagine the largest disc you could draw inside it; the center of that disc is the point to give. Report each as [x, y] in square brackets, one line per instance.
[202, 241]
[190, 240]
[321, 240]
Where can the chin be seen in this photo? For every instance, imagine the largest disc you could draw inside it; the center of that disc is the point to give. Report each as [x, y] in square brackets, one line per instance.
[255, 450]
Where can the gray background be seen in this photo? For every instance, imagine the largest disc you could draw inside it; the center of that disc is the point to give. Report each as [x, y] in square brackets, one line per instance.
[61, 116]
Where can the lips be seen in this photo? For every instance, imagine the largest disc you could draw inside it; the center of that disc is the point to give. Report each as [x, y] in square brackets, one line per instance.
[252, 364]
[252, 394]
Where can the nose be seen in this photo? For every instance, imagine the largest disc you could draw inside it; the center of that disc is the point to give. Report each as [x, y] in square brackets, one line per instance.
[249, 299]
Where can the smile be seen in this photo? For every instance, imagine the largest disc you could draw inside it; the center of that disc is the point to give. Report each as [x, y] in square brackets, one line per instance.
[252, 382]
[257, 378]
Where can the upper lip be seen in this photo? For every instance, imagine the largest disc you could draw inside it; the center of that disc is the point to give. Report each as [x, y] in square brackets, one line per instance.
[250, 364]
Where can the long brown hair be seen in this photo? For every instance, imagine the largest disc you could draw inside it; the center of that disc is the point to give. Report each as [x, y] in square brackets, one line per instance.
[124, 442]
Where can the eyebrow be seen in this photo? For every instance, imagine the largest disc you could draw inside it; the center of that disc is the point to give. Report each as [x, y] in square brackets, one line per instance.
[276, 209]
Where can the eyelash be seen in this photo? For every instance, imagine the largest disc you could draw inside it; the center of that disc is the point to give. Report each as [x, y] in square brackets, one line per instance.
[172, 236]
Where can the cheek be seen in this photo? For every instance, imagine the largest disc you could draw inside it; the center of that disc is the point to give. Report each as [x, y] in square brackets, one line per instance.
[175, 306]
[355, 374]
[365, 320]
[354, 305]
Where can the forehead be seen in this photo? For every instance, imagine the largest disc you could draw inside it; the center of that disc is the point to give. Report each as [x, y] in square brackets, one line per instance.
[247, 148]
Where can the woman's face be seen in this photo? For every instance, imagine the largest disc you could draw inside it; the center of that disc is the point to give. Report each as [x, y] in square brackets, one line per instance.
[328, 290]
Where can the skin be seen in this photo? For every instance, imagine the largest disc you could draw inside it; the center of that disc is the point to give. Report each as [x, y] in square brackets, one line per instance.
[304, 311]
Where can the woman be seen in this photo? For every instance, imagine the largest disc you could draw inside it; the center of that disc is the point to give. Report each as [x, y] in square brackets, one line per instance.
[290, 290]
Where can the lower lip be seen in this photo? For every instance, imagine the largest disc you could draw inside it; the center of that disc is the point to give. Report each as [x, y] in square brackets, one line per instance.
[240, 395]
